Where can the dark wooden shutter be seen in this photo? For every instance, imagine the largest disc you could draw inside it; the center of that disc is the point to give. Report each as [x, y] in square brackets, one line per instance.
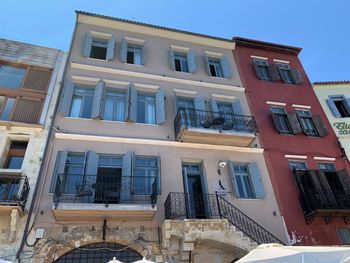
[294, 123]
[298, 177]
[257, 70]
[274, 72]
[320, 125]
[315, 180]
[276, 121]
[344, 179]
[324, 182]
[37, 79]
[27, 110]
[297, 78]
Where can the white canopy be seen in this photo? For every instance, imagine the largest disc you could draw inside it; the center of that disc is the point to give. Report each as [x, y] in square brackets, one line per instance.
[144, 260]
[275, 253]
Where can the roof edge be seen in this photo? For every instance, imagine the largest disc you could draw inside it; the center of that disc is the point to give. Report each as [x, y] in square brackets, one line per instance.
[334, 82]
[241, 41]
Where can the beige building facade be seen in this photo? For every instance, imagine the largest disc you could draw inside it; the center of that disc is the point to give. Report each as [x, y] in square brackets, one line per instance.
[29, 83]
[154, 152]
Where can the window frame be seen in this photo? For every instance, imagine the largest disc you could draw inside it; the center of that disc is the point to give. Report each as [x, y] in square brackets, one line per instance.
[181, 56]
[132, 48]
[3, 107]
[303, 118]
[250, 183]
[146, 117]
[306, 168]
[99, 39]
[263, 66]
[340, 236]
[337, 98]
[115, 99]
[14, 152]
[284, 115]
[148, 168]
[216, 63]
[285, 70]
[334, 168]
[83, 95]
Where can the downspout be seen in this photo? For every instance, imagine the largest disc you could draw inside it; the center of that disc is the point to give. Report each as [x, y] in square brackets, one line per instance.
[40, 174]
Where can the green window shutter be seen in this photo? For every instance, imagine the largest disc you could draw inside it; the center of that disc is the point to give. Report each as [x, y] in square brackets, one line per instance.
[294, 123]
[199, 103]
[110, 48]
[123, 50]
[171, 59]
[344, 179]
[333, 108]
[233, 179]
[320, 126]
[206, 63]
[87, 45]
[214, 108]
[127, 172]
[66, 99]
[274, 72]
[237, 108]
[143, 54]
[97, 104]
[256, 181]
[226, 67]
[191, 61]
[59, 168]
[160, 107]
[297, 77]
[132, 104]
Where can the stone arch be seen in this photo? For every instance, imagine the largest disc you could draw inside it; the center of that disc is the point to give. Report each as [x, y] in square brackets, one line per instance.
[100, 252]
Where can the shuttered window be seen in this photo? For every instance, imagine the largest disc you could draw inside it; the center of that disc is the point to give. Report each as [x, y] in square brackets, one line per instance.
[261, 68]
[180, 60]
[339, 106]
[297, 165]
[114, 105]
[134, 54]
[82, 102]
[146, 108]
[280, 119]
[215, 68]
[307, 123]
[99, 48]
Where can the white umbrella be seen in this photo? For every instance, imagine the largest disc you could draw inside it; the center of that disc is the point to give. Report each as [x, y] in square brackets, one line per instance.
[114, 260]
[144, 260]
[274, 253]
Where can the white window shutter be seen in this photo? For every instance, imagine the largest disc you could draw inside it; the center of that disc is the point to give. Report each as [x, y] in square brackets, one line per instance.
[237, 108]
[256, 181]
[226, 67]
[87, 45]
[206, 62]
[233, 179]
[110, 48]
[97, 104]
[123, 50]
[160, 107]
[199, 103]
[171, 59]
[333, 108]
[127, 172]
[66, 99]
[132, 104]
[191, 61]
[144, 55]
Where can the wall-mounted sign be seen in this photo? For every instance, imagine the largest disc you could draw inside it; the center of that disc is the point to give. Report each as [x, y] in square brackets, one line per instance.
[342, 127]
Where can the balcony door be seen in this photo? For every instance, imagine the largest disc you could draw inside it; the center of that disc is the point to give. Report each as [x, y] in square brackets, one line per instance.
[186, 109]
[194, 190]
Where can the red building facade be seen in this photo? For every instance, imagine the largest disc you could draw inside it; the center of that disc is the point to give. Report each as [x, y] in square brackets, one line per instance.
[307, 168]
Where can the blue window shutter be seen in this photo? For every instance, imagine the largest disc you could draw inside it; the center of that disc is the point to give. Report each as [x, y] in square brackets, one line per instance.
[97, 104]
[226, 67]
[206, 63]
[127, 172]
[214, 108]
[91, 173]
[87, 45]
[333, 108]
[132, 104]
[199, 103]
[127, 103]
[66, 99]
[233, 179]
[237, 108]
[191, 61]
[160, 107]
[144, 55]
[110, 48]
[123, 50]
[171, 59]
[59, 168]
[256, 180]
[347, 104]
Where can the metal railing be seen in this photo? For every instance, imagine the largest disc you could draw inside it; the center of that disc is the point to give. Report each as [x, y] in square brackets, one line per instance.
[191, 118]
[14, 190]
[325, 200]
[106, 189]
[182, 205]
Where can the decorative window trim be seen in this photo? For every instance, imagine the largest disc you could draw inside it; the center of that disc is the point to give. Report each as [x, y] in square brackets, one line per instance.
[180, 48]
[223, 97]
[320, 158]
[213, 54]
[100, 34]
[132, 40]
[301, 106]
[180, 92]
[146, 87]
[276, 103]
[289, 156]
[258, 57]
[281, 61]
[85, 80]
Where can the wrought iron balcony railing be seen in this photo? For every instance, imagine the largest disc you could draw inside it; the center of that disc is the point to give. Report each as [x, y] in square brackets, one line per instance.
[14, 190]
[106, 189]
[182, 205]
[191, 118]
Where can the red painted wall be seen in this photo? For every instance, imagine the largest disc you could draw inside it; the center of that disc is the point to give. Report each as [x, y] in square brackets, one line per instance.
[277, 145]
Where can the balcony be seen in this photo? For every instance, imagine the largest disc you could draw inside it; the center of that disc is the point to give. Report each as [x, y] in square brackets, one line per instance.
[196, 126]
[95, 197]
[14, 190]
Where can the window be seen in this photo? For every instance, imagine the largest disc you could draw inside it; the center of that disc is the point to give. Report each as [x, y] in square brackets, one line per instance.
[280, 118]
[224, 108]
[261, 67]
[134, 54]
[180, 60]
[99, 48]
[146, 173]
[146, 109]
[307, 123]
[339, 106]
[73, 171]
[114, 105]
[344, 234]
[215, 68]
[327, 167]
[285, 73]
[243, 181]
[297, 165]
[6, 106]
[11, 77]
[16, 154]
[82, 102]
[9, 189]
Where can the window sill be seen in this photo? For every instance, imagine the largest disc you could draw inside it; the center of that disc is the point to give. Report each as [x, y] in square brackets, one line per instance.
[138, 65]
[98, 59]
[5, 171]
[184, 72]
[249, 199]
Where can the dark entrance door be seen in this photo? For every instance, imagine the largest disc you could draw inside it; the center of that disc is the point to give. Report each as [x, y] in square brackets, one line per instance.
[108, 185]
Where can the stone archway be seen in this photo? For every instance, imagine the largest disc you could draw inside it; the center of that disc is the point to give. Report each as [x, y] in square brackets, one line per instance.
[100, 253]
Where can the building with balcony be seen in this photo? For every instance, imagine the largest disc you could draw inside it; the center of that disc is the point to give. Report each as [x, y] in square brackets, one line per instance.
[154, 151]
[307, 167]
[29, 81]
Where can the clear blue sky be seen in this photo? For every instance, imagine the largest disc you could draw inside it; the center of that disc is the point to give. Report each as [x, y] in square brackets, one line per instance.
[320, 27]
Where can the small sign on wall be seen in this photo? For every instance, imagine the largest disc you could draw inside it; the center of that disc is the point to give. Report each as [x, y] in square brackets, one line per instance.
[220, 186]
[342, 127]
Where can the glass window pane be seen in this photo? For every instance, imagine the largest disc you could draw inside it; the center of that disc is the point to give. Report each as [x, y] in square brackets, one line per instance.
[141, 111]
[5, 115]
[240, 186]
[108, 112]
[15, 162]
[138, 56]
[151, 113]
[120, 110]
[11, 77]
[248, 187]
[87, 107]
[76, 106]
